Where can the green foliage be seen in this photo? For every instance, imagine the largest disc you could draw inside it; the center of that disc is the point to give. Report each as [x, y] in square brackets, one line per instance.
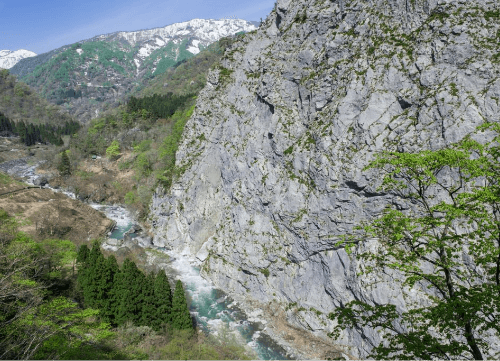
[113, 150]
[83, 254]
[289, 150]
[130, 197]
[64, 166]
[129, 293]
[148, 311]
[144, 164]
[427, 246]
[143, 146]
[180, 316]
[162, 301]
[169, 148]
[159, 106]
[265, 272]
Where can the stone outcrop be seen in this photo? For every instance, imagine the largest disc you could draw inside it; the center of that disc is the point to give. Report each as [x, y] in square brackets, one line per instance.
[272, 157]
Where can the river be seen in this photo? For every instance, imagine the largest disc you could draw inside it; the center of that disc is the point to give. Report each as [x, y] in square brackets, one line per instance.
[215, 312]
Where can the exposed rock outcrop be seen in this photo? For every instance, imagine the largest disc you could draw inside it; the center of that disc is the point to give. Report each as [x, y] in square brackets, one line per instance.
[274, 152]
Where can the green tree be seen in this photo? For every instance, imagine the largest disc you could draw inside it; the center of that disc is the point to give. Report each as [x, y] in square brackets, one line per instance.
[162, 301]
[109, 304]
[148, 311]
[94, 286]
[129, 293]
[64, 165]
[426, 242]
[180, 316]
[32, 323]
[113, 150]
[83, 254]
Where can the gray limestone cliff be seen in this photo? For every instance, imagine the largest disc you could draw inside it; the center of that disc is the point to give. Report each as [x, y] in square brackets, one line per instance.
[272, 157]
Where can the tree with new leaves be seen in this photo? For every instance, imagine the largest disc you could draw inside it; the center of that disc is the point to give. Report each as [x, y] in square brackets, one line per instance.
[113, 150]
[452, 214]
[180, 316]
[33, 324]
[162, 301]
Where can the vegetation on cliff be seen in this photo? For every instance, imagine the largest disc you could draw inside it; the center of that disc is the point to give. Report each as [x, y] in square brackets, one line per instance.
[450, 247]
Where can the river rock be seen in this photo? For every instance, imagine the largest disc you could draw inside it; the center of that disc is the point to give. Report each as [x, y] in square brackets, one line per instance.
[275, 149]
[40, 181]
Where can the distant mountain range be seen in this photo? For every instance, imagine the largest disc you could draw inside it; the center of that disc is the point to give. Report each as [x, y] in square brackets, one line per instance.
[95, 74]
[9, 58]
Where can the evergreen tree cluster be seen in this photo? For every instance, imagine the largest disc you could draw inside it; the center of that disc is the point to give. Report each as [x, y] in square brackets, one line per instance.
[6, 126]
[42, 133]
[160, 106]
[127, 294]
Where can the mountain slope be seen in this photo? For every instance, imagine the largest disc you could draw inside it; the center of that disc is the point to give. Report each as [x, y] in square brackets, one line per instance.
[93, 75]
[274, 152]
[18, 102]
[10, 58]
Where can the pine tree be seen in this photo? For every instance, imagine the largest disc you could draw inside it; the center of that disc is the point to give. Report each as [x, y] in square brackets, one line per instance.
[129, 293]
[82, 260]
[93, 292]
[181, 318]
[109, 303]
[83, 254]
[64, 165]
[148, 312]
[162, 301]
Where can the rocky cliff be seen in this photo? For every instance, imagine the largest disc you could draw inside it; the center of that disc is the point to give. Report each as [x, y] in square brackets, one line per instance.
[273, 155]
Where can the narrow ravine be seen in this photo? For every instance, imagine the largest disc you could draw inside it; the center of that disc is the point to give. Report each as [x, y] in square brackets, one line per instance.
[215, 312]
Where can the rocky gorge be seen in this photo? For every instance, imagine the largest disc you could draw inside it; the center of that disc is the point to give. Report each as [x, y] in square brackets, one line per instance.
[273, 155]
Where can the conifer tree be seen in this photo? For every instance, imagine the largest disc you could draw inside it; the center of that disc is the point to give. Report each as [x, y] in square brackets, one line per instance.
[181, 318]
[148, 312]
[83, 254]
[93, 291]
[64, 166]
[129, 293]
[109, 303]
[162, 301]
[82, 260]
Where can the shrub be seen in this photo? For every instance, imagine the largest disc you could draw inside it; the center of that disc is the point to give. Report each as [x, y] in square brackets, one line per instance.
[113, 150]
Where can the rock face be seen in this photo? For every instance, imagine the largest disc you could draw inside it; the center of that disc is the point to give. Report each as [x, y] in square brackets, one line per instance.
[274, 152]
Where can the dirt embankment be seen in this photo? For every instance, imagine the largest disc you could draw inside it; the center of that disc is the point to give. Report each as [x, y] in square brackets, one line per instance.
[96, 180]
[47, 214]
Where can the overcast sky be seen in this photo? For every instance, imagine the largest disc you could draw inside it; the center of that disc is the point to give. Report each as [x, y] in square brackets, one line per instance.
[44, 25]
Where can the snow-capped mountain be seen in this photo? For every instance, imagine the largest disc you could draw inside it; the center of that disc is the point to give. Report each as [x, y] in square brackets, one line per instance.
[199, 32]
[10, 58]
[105, 68]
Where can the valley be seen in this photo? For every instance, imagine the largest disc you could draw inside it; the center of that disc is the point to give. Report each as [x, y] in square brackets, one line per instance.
[324, 186]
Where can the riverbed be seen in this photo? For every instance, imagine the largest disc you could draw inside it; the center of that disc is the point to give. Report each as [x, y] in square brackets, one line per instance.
[214, 311]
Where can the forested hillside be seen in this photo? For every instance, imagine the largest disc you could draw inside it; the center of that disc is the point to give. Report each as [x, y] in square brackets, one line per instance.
[20, 103]
[60, 303]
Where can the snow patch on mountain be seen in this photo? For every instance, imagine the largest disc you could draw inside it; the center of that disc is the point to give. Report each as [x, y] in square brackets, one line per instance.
[9, 58]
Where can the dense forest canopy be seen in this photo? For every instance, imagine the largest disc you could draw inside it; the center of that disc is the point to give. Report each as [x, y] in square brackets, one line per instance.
[31, 134]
